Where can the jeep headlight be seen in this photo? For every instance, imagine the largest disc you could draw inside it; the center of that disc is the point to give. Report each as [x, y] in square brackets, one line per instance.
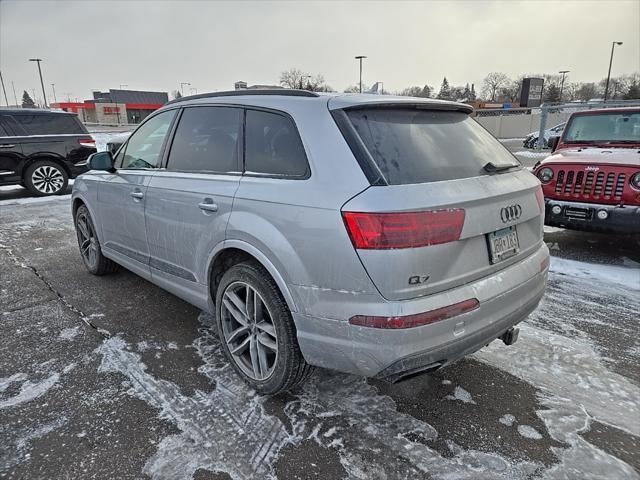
[634, 181]
[545, 175]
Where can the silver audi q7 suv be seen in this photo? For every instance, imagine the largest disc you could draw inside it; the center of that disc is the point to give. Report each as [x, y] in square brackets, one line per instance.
[377, 235]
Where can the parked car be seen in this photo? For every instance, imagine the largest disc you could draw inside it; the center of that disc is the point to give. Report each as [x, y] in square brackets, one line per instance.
[592, 180]
[42, 149]
[531, 140]
[117, 141]
[376, 235]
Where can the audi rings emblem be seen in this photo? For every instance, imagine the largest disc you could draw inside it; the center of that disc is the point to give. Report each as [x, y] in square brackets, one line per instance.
[510, 213]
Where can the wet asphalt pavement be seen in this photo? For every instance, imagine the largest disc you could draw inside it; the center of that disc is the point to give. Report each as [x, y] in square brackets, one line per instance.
[111, 377]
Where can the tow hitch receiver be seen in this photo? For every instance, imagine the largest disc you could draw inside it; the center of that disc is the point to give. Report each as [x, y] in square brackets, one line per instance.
[510, 336]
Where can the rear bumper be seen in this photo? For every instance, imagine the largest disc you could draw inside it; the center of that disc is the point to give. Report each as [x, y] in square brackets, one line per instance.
[506, 298]
[584, 216]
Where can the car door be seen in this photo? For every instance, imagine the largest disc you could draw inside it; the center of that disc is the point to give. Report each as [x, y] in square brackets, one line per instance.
[121, 196]
[189, 202]
[11, 155]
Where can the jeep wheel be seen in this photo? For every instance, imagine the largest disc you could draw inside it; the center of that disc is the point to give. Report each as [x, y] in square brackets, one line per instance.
[256, 330]
[45, 177]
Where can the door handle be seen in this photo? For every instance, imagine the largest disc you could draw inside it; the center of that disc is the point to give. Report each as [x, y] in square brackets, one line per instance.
[7, 146]
[208, 205]
[137, 195]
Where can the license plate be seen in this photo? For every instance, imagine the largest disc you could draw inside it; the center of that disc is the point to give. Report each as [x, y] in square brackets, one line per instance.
[503, 244]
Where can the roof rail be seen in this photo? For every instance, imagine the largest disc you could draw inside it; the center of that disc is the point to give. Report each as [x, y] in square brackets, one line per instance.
[288, 92]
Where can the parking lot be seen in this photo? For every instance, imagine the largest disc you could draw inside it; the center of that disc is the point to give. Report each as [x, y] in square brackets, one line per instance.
[112, 377]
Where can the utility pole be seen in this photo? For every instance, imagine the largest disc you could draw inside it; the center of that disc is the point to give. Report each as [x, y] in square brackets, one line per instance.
[15, 97]
[53, 87]
[44, 94]
[563, 72]
[360, 57]
[606, 88]
[5, 92]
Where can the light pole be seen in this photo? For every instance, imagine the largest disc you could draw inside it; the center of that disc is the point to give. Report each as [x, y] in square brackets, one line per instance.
[53, 87]
[360, 57]
[606, 88]
[44, 94]
[5, 92]
[182, 84]
[563, 72]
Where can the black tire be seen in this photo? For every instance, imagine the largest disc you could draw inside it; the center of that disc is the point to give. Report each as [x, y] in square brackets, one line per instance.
[289, 367]
[90, 251]
[45, 177]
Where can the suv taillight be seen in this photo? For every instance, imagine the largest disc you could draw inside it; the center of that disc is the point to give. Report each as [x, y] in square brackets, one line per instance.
[87, 142]
[403, 230]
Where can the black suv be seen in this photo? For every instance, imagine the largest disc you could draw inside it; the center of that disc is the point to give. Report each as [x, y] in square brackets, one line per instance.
[42, 149]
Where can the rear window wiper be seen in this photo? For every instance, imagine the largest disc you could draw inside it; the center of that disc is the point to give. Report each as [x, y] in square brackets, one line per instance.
[500, 167]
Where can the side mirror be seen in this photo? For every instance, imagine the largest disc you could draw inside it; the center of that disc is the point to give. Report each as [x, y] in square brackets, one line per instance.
[101, 161]
[553, 143]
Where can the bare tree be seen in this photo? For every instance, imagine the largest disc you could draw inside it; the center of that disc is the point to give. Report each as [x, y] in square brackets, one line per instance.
[296, 78]
[492, 84]
[355, 88]
[417, 91]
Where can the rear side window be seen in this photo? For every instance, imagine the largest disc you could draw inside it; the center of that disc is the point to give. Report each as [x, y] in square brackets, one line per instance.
[421, 146]
[50, 124]
[273, 146]
[3, 132]
[206, 140]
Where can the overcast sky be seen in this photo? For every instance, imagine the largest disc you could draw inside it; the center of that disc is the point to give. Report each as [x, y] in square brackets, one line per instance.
[155, 45]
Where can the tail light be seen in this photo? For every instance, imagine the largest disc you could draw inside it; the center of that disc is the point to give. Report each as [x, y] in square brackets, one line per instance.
[87, 142]
[540, 198]
[403, 230]
[417, 320]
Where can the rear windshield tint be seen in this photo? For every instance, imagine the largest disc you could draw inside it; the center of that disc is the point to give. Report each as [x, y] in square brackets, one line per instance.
[420, 146]
[50, 124]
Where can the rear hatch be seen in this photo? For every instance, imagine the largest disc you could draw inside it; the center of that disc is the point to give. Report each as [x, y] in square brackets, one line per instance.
[448, 203]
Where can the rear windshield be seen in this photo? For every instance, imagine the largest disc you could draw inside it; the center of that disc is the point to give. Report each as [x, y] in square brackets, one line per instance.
[420, 146]
[50, 124]
[604, 127]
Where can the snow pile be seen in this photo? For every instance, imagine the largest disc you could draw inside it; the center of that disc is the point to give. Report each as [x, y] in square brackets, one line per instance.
[625, 276]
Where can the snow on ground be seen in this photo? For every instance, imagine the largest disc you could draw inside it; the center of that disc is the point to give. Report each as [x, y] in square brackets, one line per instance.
[624, 276]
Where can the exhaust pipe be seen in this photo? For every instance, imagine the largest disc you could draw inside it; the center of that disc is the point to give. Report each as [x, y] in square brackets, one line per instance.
[510, 336]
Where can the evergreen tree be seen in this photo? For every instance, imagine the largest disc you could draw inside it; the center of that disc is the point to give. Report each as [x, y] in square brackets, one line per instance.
[445, 90]
[467, 92]
[426, 91]
[552, 93]
[27, 101]
[473, 92]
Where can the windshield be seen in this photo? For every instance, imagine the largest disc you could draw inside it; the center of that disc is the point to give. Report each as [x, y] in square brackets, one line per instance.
[420, 146]
[615, 127]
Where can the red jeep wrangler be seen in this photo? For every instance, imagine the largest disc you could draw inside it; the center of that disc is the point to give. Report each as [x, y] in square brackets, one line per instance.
[592, 180]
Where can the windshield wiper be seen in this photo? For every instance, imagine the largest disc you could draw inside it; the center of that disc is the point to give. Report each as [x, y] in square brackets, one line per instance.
[500, 167]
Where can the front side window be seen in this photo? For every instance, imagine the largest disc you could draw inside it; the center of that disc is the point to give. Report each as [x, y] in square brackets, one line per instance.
[145, 144]
[273, 146]
[604, 127]
[206, 140]
[421, 146]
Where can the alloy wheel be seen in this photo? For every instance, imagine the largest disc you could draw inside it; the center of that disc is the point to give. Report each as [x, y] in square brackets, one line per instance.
[249, 331]
[87, 240]
[47, 179]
